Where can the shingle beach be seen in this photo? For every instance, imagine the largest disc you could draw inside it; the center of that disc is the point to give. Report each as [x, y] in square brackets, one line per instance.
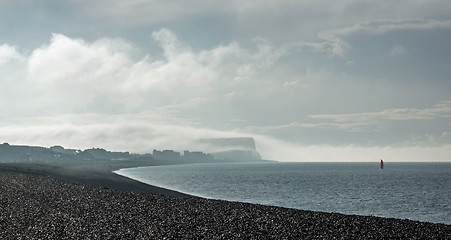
[37, 206]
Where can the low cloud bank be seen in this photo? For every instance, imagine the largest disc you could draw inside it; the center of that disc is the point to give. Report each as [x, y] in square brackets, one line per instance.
[291, 152]
[142, 133]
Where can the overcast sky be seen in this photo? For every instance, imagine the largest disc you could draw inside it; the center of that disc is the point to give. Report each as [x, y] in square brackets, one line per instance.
[310, 80]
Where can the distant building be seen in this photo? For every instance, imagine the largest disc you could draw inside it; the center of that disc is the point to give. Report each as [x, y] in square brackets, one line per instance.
[196, 156]
[166, 155]
[98, 153]
[14, 153]
[60, 149]
[120, 155]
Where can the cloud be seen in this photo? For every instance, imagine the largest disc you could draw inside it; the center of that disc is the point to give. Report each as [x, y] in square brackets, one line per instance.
[73, 72]
[143, 132]
[233, 95]
[293, 84]
[441, 110]
[361, 121]
[99, 82]
[73, 60]
[335, 40]
[350, 126]
[273, 14]
[280, 150]
[384, 26]
[8, 53]
[228, 60]
[398, 51]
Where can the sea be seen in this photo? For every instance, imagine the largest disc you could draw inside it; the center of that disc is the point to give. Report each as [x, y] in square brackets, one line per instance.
[415, 191]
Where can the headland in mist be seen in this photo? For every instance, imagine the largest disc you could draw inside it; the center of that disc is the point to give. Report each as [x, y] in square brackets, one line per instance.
[95, 166]
[216, 150]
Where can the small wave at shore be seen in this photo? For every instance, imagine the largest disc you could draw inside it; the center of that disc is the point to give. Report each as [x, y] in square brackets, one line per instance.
[416, 191]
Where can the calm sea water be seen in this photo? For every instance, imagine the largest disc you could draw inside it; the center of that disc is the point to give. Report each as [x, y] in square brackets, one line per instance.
[417, 191]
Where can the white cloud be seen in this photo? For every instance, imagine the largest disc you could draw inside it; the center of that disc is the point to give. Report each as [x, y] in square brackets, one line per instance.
[241, 77]
[383, 26]
[144, 132]
[69, 76]
[141, 132]
[74, 60]
[73, 72]
[173, 112]
[348, 126]
[293, 84]
[8, 53]
[441, 110]
[171, 45]
[335, 43]
[360, 121]
[233, 95]
[397, 51]
[277, 14]
[275, 149]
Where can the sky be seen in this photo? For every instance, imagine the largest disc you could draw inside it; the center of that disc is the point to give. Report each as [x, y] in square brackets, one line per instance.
[309, 80]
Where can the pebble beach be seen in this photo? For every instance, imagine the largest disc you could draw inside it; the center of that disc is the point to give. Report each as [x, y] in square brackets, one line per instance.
[37, 206]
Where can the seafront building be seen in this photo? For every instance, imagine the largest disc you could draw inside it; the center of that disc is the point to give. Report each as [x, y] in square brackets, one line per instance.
[196, 156]
[171, 155]
[166, 155]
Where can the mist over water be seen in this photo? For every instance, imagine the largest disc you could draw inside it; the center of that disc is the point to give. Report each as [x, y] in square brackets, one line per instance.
[416, 191]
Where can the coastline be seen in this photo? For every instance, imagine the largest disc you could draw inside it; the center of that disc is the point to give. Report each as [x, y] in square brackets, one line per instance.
[54, 201]
[93, 173]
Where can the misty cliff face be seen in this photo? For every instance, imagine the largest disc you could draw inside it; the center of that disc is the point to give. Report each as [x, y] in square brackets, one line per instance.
[237, 155]
[232, 149]
[228, 149]
[224, 144]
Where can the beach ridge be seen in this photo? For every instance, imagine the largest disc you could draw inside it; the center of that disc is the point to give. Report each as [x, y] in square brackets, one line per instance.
[36, 204]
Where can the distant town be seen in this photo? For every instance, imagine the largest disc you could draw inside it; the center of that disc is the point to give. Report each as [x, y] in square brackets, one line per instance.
[244, 151]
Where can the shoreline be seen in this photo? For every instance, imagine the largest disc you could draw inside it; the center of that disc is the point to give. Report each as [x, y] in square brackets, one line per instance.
[269, 205]
[97, 174]
[50, 200]
[391, 208]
